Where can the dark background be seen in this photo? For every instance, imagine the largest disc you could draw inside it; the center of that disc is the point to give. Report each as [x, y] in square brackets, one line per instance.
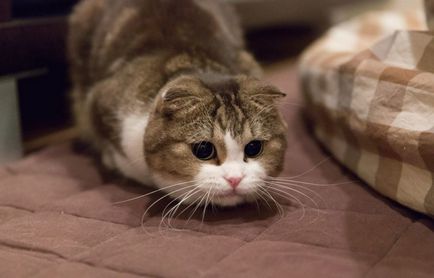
[32, 50]
[32, 8]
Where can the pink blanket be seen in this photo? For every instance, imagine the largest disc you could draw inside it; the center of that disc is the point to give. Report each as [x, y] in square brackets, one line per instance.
[57, 219]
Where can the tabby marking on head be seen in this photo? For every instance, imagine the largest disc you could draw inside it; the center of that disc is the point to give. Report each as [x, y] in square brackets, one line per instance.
[166, 92]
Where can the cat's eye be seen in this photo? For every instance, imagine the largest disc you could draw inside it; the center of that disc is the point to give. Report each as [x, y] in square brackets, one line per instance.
[204, 150]
[253, 149]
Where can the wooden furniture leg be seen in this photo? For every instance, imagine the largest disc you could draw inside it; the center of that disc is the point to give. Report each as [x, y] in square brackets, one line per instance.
[10, 134]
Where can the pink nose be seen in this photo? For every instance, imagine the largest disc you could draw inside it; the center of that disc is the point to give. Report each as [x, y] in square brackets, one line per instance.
[234, 181]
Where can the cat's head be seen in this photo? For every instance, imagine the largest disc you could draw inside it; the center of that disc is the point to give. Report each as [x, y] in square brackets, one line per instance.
[214, 138]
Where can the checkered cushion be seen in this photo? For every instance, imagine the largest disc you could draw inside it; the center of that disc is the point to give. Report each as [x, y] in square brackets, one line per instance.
[369, 88]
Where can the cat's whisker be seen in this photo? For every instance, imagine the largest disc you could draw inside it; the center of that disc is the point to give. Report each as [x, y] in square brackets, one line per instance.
[311, 183]
[171, 213]
[181, 200]
[297, 191]
[257, 202]
[280, 192]
[291, 197]
[212, 203]
[270, 186]
[288, 185]
[155, 191]
[155, 202]
[195, 209]
[163, 214]
[265, 196]
[145, 195]
[278, 188]
[175, 208]
[183, 197]
[309, 170]
[278, 206]
[260, 195]
[186, 208]
[206, 203]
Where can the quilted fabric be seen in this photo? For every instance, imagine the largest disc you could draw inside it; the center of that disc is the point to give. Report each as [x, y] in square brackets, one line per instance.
[58, 219]
[370, 92]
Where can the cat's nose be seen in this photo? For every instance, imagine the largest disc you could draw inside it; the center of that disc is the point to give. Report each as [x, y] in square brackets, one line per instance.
[233, 181]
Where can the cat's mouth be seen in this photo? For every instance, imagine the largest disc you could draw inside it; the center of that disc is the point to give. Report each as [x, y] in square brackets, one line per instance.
[230, 198]
[228, 194]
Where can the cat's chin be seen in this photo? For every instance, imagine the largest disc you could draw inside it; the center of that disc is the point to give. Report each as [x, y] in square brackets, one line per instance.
[232, 200]
[228, 201]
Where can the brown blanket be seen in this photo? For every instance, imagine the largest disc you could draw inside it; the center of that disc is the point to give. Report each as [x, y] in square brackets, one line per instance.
[57, 219]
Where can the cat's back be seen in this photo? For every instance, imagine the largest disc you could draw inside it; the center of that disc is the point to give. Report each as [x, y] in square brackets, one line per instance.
[105, 31]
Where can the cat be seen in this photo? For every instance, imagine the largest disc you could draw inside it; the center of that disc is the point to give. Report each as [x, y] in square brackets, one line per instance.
[166, 92]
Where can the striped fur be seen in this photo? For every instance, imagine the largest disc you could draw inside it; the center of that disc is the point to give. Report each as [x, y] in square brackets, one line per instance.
[151, 78]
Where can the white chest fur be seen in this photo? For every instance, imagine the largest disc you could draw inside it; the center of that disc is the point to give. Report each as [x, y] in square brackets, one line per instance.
[132, 163]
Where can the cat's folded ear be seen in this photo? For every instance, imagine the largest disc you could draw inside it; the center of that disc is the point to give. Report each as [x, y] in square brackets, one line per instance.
[266, 93]
[180, 100]
[174, 94]
[177, 99]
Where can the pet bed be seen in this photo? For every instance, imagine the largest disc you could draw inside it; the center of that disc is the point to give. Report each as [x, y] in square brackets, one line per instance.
[369, 87]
